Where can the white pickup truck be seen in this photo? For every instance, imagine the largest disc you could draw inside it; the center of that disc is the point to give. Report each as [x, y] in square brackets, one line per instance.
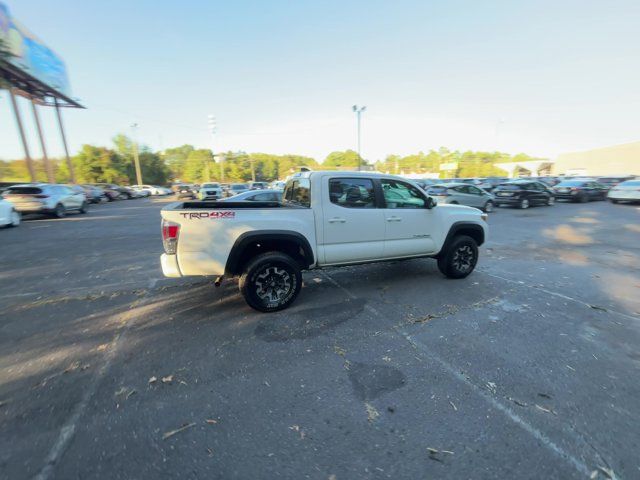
[325, 219]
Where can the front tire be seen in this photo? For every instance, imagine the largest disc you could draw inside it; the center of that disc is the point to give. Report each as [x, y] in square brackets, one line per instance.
[613, 200]
[84, 208]
[524, 204]
[271, 282]
[551, 201]
[460, 259]
[488, 207]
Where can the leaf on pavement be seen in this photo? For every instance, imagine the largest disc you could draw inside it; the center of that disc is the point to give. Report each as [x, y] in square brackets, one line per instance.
[153, 379]
[167, 379]
[372, 413]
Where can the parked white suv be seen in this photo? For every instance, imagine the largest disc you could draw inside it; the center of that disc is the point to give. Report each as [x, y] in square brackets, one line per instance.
[210, 191]
[325, 219]
[47, 198]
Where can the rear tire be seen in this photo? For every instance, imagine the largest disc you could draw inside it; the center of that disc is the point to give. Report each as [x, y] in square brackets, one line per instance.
[460, 259]
[84, 208]
[488, 207]
[583, 198]
[613, 200]
[551, 201]
[271, 282]
[60, 211]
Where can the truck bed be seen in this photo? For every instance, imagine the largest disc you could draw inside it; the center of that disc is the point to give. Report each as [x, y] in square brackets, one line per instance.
[209, 229]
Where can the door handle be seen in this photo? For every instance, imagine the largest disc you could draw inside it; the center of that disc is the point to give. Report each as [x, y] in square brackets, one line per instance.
[337, 220]
[394, 219]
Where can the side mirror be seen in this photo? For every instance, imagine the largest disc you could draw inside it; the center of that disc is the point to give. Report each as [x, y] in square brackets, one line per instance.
[430, 203]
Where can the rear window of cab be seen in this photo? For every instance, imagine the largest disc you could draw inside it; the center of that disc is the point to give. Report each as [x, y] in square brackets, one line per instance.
[298, 192]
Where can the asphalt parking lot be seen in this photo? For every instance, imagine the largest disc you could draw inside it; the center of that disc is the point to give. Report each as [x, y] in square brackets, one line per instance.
[529, 368]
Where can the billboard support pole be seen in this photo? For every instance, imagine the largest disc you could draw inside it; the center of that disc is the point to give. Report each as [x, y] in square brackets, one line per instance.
[72, 175]
[47, 164]
[25, 146]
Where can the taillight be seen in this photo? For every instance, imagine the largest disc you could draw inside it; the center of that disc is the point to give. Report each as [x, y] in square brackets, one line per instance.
[170, 234]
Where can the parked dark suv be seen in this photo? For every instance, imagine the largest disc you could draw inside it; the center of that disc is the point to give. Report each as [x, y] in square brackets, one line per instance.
[523, 194]
[580, 190]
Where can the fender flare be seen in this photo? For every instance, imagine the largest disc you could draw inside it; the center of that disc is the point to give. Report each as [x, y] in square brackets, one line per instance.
[462, 226]
[234, 260]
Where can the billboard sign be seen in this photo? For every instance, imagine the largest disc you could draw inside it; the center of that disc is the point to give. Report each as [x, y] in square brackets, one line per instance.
[30, 55]
[449, 166]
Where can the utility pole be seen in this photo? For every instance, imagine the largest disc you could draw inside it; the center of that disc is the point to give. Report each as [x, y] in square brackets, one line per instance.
[213, 126]
[253, 169]
[358, 111]
[136, 159]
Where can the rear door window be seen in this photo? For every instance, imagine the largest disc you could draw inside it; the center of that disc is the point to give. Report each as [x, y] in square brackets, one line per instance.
[352, 192]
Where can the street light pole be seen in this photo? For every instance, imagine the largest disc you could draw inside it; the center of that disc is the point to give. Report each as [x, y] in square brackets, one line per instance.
[136, 159]
[358, 111]
[213, 127]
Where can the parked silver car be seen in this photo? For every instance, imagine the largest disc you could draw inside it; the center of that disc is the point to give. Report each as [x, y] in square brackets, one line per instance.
[265, 195]
[236, 188]
[462, 194]
[47, 198]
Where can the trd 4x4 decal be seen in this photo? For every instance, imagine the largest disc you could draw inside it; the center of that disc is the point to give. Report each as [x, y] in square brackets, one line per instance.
[212, 215]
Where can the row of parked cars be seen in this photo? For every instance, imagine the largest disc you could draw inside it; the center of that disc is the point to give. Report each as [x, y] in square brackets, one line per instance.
[251, 191]
[59, 199]
[488, 193]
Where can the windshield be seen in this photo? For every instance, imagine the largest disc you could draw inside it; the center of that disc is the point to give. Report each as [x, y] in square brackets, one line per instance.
[210, 185]
[238, 186]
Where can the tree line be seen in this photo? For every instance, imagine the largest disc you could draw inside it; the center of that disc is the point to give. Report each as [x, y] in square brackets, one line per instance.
[114, 164]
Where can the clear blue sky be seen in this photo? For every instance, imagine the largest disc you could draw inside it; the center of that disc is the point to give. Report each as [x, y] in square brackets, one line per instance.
[535, 76]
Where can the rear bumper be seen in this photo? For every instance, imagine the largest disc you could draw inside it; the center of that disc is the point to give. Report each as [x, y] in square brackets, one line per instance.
[623, 197]
[170, 266]
[28, 208]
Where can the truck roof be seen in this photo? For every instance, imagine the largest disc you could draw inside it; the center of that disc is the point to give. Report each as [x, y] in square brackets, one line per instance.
[347, 173]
